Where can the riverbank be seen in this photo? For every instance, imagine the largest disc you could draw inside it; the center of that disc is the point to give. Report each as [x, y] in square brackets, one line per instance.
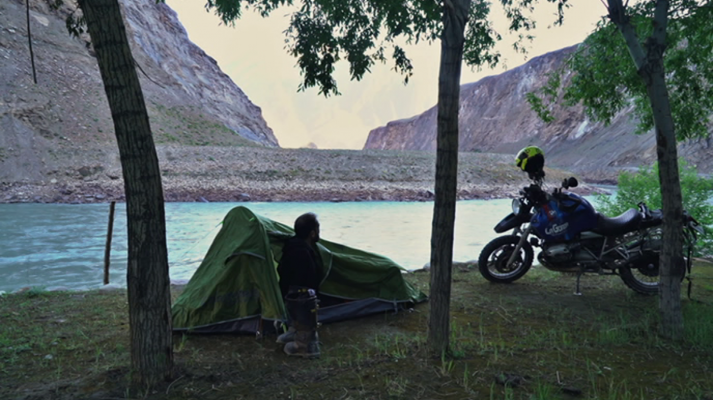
[230, 174]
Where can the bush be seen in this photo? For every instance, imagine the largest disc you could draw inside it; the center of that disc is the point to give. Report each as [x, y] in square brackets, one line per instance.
[644, 186]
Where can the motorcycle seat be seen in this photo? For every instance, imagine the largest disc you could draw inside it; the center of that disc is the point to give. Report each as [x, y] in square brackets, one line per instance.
[627, 222]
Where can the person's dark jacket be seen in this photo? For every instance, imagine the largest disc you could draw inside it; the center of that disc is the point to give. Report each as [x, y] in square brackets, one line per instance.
[300, 265]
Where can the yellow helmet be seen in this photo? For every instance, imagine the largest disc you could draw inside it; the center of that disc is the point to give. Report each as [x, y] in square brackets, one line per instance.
[531, 159]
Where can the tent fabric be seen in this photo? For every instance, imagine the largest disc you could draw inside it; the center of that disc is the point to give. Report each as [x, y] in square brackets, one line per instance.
[235, 289]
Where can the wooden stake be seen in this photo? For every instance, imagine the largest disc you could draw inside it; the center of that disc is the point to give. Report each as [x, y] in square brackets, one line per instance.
[107, 251]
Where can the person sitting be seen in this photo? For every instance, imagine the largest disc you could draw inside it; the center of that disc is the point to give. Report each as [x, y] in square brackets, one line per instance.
[300, 271]
[301, 264]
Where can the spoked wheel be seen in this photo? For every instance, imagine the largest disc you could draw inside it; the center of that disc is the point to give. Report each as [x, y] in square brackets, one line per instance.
[493, 260]
[643, 275]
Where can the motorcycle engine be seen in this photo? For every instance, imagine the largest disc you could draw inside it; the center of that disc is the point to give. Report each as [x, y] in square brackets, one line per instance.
[569, 257]
[558, 252]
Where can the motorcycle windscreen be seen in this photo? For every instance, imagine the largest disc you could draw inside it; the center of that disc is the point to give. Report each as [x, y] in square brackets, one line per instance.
[563, 218]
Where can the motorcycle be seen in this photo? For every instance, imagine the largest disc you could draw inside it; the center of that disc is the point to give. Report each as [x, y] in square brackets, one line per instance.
[574, 237]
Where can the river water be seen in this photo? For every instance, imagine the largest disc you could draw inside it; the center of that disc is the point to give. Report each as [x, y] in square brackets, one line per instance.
[62, 245]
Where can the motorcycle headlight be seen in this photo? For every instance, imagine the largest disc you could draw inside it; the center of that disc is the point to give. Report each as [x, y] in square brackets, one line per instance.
[516, 205]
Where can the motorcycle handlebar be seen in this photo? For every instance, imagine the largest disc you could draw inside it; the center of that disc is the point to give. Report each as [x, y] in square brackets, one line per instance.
[533, 194]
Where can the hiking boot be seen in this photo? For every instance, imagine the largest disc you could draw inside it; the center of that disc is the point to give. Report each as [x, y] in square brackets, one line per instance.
[306, 344]
[288, 336]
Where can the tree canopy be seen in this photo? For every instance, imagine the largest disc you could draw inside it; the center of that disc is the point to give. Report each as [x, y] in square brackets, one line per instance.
[364, 32]
[605, 81]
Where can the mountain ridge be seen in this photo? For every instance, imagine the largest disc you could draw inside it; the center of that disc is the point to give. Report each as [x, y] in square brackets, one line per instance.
[495, 117]
[62, 123]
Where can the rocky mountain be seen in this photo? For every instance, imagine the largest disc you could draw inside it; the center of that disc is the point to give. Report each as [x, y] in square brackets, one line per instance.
[495, 117]
[62, 125]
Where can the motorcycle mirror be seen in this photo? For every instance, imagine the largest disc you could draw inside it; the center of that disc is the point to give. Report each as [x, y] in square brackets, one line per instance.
[572, 182]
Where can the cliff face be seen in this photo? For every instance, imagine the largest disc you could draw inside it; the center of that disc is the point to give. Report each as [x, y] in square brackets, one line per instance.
[63, 123]
[161, 39]
[495, 117]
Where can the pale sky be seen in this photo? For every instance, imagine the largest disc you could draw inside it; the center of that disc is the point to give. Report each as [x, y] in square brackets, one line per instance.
[253, 54]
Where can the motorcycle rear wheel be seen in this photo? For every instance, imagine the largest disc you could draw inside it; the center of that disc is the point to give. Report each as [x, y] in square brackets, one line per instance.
[494, 257]
[643, 276]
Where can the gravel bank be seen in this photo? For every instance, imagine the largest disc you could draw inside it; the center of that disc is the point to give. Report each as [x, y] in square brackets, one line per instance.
[230, 174]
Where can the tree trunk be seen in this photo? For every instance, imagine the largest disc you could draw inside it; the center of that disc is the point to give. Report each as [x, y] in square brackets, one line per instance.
[455, 15]
[147, 273]
[672, 265]
[650, 66]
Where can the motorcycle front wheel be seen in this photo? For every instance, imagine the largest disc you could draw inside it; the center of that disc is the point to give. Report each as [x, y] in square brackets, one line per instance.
[493, 260]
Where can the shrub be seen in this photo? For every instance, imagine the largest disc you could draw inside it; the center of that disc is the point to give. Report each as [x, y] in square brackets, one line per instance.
[644, 186]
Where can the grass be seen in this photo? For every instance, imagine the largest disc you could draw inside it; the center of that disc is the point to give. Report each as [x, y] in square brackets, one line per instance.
[187, 125]
[529, 340]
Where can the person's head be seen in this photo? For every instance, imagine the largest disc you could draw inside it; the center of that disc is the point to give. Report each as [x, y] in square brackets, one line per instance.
[307, 227]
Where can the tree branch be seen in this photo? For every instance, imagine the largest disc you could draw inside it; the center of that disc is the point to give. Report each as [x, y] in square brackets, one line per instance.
[617, 12]
[660, 22]
[618, 15]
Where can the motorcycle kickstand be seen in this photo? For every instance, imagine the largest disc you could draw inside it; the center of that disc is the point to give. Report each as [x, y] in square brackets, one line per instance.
[577, 292]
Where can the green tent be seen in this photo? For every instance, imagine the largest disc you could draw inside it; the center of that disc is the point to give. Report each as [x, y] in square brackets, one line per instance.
[235, 289]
